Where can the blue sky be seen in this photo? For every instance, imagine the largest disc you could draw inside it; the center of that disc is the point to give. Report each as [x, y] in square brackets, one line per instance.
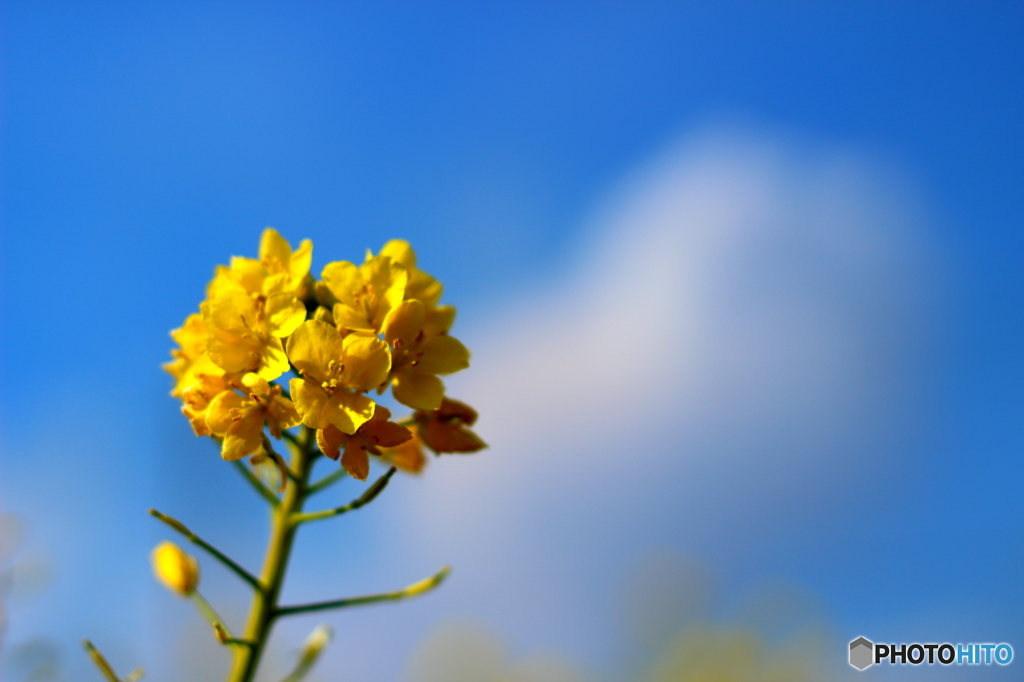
[872, 154]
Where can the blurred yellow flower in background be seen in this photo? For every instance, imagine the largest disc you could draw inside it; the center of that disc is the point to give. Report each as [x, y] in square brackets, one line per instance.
[446, 429]
[175, 568]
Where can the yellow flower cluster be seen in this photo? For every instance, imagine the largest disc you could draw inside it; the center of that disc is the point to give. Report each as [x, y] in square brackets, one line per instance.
[358, 329]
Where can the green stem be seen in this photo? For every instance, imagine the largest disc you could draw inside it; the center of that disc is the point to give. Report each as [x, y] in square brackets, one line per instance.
[413, 590]
[209, 613]
[282, 536]
[216, 553]
[364, 499]
[264, 492]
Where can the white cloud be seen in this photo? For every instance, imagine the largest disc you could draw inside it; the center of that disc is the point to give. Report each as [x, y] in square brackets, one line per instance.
[738, 338]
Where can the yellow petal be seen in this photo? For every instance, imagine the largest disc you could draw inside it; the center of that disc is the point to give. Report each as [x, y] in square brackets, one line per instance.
[300, 262]
[450, 437]
[191, 336]
[324, 315]
[343, 280]
[355, 460]
[310, 400]
[203, 365]
[274, 249]
[387, 279]
[330, 440]
[443, 355]
[223, 410]
[348, 411]
[273, 361]
[401, 252]
[456, 410]
[232, 311]
[284, 414]
[384, 433]
[352, 319]
[439, 320]
[323, 295]
[238, 354]
[255, 385]
[248, 272]
[418, 390]
[277, 283]
[223, 280]
[407, 456]
[243, 436]
[284, 314]
[367, 362]
[420, 285]
[405, 321]
[197, 420]
[424, 288]
[313, 346]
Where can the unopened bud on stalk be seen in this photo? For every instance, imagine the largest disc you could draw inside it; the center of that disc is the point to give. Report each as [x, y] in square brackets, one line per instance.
[314, 645]
[176, 569]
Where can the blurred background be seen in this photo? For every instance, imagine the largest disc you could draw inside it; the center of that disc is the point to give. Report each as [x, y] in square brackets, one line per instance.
[743, 287]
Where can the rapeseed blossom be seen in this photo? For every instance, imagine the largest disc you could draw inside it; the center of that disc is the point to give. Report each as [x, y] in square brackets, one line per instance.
[273, 348]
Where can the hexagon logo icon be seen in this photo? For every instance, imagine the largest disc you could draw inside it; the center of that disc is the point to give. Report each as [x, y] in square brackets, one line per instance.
[862, 653]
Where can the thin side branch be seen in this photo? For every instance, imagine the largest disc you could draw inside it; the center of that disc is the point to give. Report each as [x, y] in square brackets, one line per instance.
[413, 590]
[326, 481]
[366, 498]
[256, 483]
[216, 553]
[105, 669]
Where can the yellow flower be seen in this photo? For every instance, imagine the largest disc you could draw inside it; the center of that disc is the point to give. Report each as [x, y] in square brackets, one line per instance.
[239, 420]
[365, 293]
[447, 429]
[378, 432]
[190, 360]
[176, 569]
[278, 269]
[421, 286]
[335, 374]
[197, 398]
[422, 349]
[246, 332]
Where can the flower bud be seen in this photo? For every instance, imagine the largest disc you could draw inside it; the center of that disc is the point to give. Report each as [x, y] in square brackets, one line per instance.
[314, 645]
[176, 569]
